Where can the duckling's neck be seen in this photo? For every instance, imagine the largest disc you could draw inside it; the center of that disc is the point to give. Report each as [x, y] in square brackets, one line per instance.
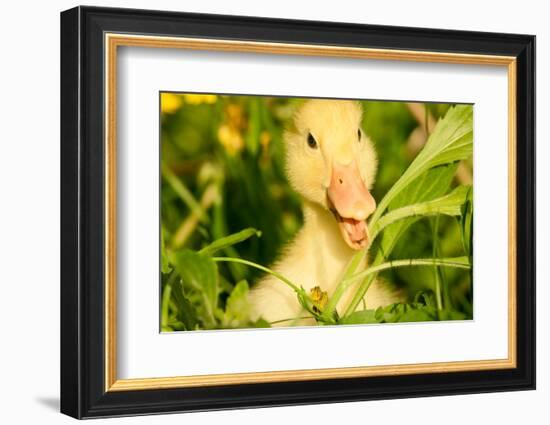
[323, 232]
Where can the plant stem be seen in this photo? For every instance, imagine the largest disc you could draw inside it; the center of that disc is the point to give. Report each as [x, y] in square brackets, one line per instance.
[189, 224]
[303, 297]
[435, 227]
[184, 193]
[371, 272]
[288, 320]
[352, 265]
[166, 293]
[259, 267]
[458, 262]
[362, 290]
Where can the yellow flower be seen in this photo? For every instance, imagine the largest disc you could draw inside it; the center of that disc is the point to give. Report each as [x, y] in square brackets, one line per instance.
[235, 116]
[197, 99]
[319, 298]
[230, 138]
[169, 103]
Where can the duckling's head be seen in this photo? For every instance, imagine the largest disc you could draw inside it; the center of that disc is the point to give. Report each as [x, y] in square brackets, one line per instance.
[331, 162]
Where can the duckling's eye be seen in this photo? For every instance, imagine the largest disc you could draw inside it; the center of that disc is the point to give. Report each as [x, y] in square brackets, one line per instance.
[359, 135]
[311, 142]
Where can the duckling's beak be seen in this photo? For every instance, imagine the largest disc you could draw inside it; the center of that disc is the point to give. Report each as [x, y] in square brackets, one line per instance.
[351, 203]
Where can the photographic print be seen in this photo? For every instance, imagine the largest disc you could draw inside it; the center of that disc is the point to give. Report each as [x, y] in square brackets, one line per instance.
[282, 211]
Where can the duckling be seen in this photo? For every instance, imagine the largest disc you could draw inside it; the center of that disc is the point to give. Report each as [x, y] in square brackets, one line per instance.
[332, 164]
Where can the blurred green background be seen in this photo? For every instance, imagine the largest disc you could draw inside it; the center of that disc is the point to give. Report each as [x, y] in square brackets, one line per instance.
[223, 170]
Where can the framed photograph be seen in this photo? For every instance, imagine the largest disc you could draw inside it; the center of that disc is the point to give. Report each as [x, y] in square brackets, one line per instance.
[261, 212]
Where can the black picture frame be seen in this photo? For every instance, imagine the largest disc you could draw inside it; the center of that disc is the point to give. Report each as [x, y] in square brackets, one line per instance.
[83, 392]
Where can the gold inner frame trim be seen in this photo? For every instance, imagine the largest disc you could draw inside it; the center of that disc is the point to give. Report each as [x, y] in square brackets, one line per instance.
[113, 41]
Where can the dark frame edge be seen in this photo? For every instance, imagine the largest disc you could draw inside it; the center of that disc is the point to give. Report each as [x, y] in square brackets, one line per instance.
[70, 382]
[526, 210]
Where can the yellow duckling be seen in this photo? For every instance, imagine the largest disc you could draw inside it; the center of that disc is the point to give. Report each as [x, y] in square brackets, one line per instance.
[332, 164]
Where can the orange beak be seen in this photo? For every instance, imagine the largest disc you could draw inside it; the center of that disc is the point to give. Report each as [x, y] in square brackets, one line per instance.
[351, 203]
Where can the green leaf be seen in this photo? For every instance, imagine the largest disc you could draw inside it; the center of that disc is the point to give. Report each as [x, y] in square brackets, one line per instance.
[199, 275]
[230, 240]
[451, 141]
[415, 312]
[452, 315]
[359, 317]
[429, 186]
[450, 205]
[260, 323]
[237, 308]
[186, 311]
[406, 313]
[224, 286]
[426, 298]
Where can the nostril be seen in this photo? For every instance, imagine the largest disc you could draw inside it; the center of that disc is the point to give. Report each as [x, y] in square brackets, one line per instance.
[340, 181]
